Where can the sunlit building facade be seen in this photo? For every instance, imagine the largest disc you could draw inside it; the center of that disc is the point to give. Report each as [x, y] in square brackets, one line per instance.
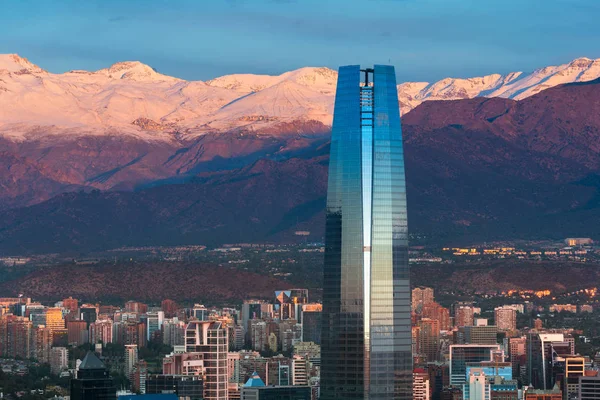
[366, 335]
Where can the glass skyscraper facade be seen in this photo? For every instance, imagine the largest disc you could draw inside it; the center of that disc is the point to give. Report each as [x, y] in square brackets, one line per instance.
[366, 336]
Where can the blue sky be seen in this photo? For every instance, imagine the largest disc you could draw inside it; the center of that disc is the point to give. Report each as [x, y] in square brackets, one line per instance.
[201, 39]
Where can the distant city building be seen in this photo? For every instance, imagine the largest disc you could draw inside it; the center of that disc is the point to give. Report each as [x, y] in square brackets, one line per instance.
[541, 394]
[421, 389]
[59, 359]
[210, 339]
[154, 324]
[435, 311]
[131, 359]
[311, 323]
[88, 313]
[255, 389]
[589, 388]
[518, 355]
[578, 241]
[479, 334]
[169, 308]
[463, 316]
[463, 354]
[101, 332]
[505, 318]
[54, 319]
[185, 387]
[92, 381]
[77, 332]
[541, 350]
[429, 339]
[421, 296]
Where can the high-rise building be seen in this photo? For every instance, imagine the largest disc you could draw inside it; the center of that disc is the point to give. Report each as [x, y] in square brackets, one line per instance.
[54, 319]
[435, 311]
[311, 323]
[43, 343]
[288, 303]
[154, 324]
[131, 359]
[185, 387]
[463, 316]
[366, 334]
[299, 371]
[77, 332]
[70, 304]
[517, 351]
[505, 318]
[421, 296]
[92, 381]
[429, 339]
[421, 389]
[59, 359]
[574, 369]
[210, 339]
[541, 350]
[88, 313]
[101, 332]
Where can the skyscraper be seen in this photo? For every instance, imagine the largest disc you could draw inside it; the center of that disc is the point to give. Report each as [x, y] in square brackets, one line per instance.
[92, 381]
[366, 335]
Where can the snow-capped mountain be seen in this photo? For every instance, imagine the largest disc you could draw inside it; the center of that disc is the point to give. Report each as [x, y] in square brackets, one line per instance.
[134, 99]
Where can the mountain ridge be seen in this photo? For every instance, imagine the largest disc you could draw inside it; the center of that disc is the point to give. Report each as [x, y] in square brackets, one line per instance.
[35, 103]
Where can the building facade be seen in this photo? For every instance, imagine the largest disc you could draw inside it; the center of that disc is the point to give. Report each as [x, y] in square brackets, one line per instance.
[366, 321]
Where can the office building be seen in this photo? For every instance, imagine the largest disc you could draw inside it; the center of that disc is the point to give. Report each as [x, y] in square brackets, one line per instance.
[154, 324]
[366, 333]
[54, 319]
[463, 354]
[92, 381]
[482, 334]
[541, 350]
[589, 388]
[185, 387]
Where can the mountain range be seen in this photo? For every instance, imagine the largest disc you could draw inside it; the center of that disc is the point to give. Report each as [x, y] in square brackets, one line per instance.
[126, 155]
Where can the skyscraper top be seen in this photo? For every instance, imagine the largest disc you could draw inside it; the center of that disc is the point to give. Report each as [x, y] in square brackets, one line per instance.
[91, 361]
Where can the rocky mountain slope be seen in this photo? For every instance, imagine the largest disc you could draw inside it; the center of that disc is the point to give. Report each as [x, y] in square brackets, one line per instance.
[477, 169]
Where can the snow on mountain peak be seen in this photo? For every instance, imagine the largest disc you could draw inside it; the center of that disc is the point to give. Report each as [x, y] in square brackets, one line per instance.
[126, 95]
[133, 70]
[16, 63]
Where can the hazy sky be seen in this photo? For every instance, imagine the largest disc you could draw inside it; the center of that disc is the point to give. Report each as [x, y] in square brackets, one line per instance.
[202, 39]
